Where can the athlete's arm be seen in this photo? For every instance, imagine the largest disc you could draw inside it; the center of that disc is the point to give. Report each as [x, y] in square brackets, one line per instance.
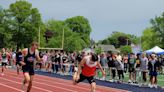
[37, 56]
[24, 53]
[99, 65]
[80, 65]
[0, 56]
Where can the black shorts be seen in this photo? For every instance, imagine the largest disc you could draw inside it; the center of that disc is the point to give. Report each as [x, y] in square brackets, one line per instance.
[28, 69]
[18, 63]
[4, 63]
[153, 73]
[82, 78]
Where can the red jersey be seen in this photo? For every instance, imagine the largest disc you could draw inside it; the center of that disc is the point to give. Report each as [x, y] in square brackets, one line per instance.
[89, 69]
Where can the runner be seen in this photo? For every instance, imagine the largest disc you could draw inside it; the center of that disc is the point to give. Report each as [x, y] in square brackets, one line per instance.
[4, 60]
[29, 56]
[18, 60]
[89, 64]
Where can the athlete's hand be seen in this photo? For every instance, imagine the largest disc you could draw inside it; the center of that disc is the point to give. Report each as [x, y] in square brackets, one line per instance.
[77, 77]
[22, 63]
[41, 59]
[103, 73]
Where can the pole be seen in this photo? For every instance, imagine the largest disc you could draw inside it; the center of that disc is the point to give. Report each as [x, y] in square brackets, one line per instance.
[141, 43]
[39, 37]
[127, 41]
[63, 40]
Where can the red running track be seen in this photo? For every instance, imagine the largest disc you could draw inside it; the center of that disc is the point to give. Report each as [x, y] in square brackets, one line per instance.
[11, 82]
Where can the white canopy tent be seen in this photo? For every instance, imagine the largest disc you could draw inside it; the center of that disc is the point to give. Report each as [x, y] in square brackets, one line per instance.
[155, 49]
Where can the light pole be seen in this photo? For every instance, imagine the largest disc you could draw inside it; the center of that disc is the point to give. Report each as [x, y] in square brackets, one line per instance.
[63, 39]
[127, 43]
[63, 36]
[39, 37]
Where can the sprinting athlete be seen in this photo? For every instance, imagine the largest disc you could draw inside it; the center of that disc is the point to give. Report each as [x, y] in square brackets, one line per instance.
[18, 60]
[89, 64]
[29, 56]
[4, 60]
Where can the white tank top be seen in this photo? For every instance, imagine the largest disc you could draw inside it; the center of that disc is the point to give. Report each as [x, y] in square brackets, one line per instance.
[4, 58]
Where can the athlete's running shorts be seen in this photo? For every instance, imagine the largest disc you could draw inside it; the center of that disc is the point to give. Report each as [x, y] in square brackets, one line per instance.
[82, 78]
[4, 63]
[18, 63]
[28, 69]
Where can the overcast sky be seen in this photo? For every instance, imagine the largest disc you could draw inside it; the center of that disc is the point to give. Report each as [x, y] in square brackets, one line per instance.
[105, 16]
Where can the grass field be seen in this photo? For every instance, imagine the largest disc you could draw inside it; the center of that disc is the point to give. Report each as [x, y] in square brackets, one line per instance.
[126, 78]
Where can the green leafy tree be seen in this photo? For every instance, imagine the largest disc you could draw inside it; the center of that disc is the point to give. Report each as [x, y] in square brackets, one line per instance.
[149, 39]
[98, 50]
[72, 41]
[119, 39]
[57, 28]
[24, 22]
[126, 49]
[4, 35]
[158, 28]
[80, 25]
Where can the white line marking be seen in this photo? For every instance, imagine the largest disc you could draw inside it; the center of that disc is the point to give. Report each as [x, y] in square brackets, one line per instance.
[11, 87]
[45, 84]
[21, 83]
[68, 81]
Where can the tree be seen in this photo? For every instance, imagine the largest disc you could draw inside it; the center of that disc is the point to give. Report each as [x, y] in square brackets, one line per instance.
[72, 40]
[119, 39]
[149, 39]
[57, 28]
[158, 28]
[24, 22]
[98, 50]
[4, 36]
[126, 49]
[80, 25]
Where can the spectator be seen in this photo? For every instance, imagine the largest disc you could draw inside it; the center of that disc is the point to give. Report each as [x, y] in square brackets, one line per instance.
[144, 68]
[120, 69]
[153, 67]
[132, 71]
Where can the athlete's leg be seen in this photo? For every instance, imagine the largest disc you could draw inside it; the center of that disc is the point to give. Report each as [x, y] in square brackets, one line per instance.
[78, 78]
[75, 78]
[18, 67]
[26, 78]
[30, 83]
[3, 68]
[93, 87]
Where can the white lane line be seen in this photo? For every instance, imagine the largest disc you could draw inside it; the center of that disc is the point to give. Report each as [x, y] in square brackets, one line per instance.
[83, 84]
[11, 87]
[46, 84]
[75, 86]
[64, 84]
[21, 84]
